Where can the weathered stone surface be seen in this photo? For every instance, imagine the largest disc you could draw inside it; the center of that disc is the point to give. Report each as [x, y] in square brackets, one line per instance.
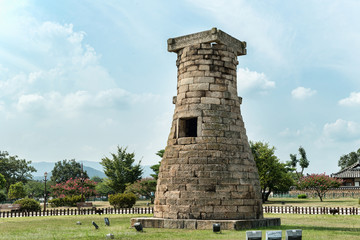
[206, 224]
[207, 172]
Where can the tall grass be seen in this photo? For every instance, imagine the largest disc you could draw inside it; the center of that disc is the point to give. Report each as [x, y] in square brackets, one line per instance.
[316, 227]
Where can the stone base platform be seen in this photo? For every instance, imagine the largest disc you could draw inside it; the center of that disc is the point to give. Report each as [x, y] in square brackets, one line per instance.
[151, 222]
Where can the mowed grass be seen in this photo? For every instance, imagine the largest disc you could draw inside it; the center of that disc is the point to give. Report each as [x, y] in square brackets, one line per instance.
[315, 227]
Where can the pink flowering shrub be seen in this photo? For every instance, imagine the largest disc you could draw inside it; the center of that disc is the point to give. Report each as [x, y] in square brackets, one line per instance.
[74, 187]
[320, 183]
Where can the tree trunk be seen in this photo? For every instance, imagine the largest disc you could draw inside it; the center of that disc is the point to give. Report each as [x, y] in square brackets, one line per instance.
[265, 195]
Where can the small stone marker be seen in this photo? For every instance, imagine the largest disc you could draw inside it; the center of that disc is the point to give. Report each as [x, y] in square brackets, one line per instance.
[110, 236]
[295, 234]
[95, 225]
[273, 235]
[253, 235]
[78, 223]
[107, 222]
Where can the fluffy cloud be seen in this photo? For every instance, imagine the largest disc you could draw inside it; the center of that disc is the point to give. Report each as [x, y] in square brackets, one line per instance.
[352, 100]
[73, 104]
[342, 130]
[302, 93]
[251, 81]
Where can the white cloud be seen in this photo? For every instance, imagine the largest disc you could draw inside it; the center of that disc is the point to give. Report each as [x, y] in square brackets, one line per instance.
[342, 130]
[252, 81]
[352, 100]
[302, 93]
[80, 102]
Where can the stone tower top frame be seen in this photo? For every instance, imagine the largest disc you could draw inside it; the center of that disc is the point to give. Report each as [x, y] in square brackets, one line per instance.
[209, 36]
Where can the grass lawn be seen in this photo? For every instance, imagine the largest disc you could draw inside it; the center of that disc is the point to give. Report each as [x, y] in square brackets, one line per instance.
[314, 202]
[64, 227]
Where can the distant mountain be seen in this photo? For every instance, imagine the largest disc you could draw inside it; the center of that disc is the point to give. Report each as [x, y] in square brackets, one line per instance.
[92, 168]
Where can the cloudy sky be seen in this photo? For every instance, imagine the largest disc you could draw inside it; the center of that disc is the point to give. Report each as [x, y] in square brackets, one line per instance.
[78, 78]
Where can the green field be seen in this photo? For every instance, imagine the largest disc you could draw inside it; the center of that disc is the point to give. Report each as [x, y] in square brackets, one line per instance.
[315, 227]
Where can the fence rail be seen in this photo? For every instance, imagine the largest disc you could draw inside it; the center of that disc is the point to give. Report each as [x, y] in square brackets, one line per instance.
[150, 210]
[89, 211]
[311, 210]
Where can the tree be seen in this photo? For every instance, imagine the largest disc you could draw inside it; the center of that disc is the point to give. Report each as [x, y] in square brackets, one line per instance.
[66, 169]
[347, 160]
[16, 191]
[120, 169]
[96, 179]
[303, 162]
[145, 187]
[103, 188]
[14, 170]
[74, 187]
[2, 181]
[156, 167]
[272, 173]
[34, 189]
[320, 183]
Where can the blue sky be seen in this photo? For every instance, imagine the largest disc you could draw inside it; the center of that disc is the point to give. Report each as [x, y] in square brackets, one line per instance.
[78, 78]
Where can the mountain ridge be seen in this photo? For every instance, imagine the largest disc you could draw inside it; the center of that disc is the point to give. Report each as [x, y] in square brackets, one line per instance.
[92, 168]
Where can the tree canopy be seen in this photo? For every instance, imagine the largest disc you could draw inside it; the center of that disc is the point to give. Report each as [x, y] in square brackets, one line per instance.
[66, 169]
[272, 173]
[144, 187]
[15, 170]
[16, 191]
[121, 170]
[349, 159]
[156, 167]
[302, 161]
[2, 181]
[320, 183]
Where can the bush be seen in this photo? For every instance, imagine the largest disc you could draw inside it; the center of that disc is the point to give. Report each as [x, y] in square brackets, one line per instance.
[69, 201]
[302, 196]
[122, 200]
[28, 204]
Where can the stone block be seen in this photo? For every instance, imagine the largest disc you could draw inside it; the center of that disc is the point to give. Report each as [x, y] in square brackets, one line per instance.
[199, 87]
[295, 234]
[273, 235]
[196, 94]
[186, 81]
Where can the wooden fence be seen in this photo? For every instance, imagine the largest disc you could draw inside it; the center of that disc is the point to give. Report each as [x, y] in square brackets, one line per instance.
[89, 211]
[311, 210]
[150, 210]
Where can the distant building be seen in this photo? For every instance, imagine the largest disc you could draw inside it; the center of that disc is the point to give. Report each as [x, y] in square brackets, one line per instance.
[349, 175]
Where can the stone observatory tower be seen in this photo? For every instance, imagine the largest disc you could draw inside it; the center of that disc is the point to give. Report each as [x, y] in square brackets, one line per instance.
[207, 171]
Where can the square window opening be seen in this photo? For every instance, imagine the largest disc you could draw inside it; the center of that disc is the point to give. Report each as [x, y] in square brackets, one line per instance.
[187, 127]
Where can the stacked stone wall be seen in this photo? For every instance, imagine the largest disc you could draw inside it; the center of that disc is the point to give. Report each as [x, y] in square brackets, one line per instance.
[211, 175]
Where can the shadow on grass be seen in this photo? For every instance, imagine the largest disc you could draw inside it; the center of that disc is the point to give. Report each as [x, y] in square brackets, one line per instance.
[316, 228]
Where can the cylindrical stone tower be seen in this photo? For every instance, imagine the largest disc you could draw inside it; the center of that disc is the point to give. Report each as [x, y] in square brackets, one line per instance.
[207, 171]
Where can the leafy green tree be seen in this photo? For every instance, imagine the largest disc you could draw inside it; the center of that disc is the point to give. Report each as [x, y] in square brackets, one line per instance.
[2, 181]
[156, 167]
[16, 191]
[320, 183]
[96, 179]
[145, 187]
[34, 189]
[103, 188]
[14, 170]
[66, 169]
[303, 163]
[347, 160]
[272, 173]
[120, 169]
